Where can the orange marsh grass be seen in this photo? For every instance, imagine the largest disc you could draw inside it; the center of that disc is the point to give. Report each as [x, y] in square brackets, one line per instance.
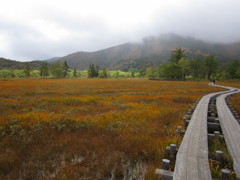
[89, 128]
[234, 99]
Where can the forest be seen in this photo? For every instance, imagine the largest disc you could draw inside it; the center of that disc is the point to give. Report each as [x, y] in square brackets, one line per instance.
[178, 67]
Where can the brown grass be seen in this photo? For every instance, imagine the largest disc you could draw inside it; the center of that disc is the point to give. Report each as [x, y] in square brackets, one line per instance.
[90, 129]
[235, 99]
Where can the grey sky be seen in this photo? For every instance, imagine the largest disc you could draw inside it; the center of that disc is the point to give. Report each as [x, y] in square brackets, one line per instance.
[41, 29]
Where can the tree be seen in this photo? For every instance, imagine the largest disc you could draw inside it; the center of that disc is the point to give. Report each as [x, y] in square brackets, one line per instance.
[27, 70]
[150, 73]
[56, 70]
[233, 68]
[92, 72]
[197, 68]
[142, 72]
[12, 74]
[238, 72]
[172, 71]
[105, 73]
[177, 55]
[96, 73]
[211, 65]
[184, 67]
[117, 74]
[7, 73]
[74, 73]
[44, 69]
[65, 69]
[132, 72]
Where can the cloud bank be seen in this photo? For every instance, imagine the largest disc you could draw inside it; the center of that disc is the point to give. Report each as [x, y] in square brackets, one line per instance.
[41, 29]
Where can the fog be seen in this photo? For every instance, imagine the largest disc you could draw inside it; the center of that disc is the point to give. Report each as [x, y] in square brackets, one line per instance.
[41, 29]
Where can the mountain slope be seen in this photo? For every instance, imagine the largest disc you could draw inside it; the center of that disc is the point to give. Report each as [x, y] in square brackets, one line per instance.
[152, 51]
[11, 64]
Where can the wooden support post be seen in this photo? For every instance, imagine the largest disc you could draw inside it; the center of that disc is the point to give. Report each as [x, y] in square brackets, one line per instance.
[213, 114]
[192, 110]
[179, 130]
[214, 126]
[217, 120]
[213, 109]
[184, 119]
[211, 119]
[189, 112]
[225, 174]
[165, 164]
[216, 134]
[219, 155]
[173, 150]
[165, 174]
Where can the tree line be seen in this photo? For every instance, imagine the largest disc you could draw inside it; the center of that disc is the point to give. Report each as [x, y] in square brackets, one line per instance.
[93, 71]
[179, 67]
[57, 70]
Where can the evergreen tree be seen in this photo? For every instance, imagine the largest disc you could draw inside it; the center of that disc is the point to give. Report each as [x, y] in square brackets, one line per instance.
[92, 72]
[177, 55]
[74, 73]
[184, 64]
[65, 69]
[104, 73]
[142, 72]
[96, 74]
[211, 66]
[56, 70]
[197, 68]
[233, 68]
[44, 69]
[27, 70]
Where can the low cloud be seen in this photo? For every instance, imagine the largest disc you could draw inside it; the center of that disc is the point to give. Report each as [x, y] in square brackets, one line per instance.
[41, 30]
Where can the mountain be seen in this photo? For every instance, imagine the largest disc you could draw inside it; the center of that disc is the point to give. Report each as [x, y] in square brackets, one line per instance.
[52, 59]
[152, 51]
[11, 64]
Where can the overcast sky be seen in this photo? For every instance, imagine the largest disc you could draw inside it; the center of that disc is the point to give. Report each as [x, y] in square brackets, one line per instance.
[41, 29]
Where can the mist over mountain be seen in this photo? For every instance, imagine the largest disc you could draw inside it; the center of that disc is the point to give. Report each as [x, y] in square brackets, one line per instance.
[150, 52]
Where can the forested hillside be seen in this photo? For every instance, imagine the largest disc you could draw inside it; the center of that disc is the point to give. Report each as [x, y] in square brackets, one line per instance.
[152, 51]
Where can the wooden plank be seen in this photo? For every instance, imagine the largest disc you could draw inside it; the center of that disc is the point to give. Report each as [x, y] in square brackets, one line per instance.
[192, 156]
[230, 128]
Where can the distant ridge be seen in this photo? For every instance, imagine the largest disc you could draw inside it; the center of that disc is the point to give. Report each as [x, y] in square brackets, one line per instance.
[11, 64]
[52, 59]
[151, 52]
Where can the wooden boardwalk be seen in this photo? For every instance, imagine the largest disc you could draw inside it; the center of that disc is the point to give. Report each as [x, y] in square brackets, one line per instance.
[230, 128]
[192, 157]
